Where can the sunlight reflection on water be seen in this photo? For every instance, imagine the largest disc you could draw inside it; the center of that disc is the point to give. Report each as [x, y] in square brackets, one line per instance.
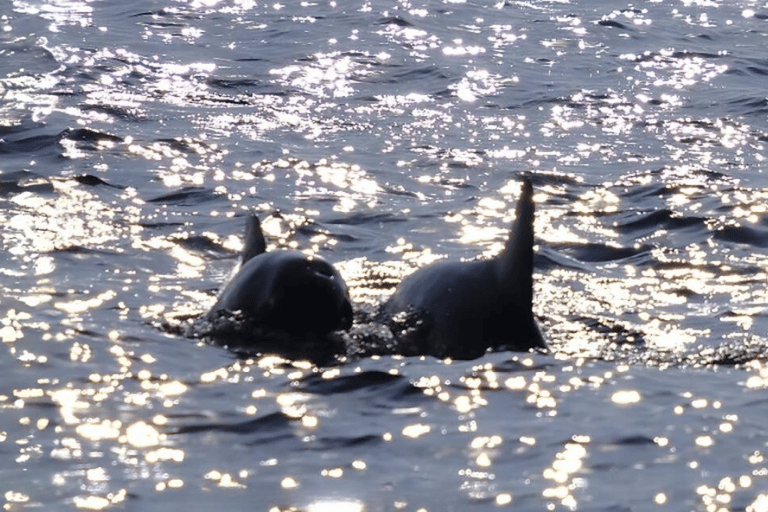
[383, 139]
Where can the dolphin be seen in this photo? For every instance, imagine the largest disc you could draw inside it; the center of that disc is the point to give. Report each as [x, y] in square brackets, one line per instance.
[285, 290]
[460, 309]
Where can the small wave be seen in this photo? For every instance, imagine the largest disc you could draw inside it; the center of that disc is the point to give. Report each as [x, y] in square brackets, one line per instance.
[49, 145]
[361, 218]
[128, 114]
[271, 426]
[613, 24]
[337, 443]
[599, 253]
[234, 83]
[24, 181]
[81, 251]
[660, 219]
[747, 67]
[370, 380]
[747, 105]
[635, 440]
[430, 72]
[187, 196]
[38, 144]
[397, 21]
[743, 235]
[201, 243]
[94, 181]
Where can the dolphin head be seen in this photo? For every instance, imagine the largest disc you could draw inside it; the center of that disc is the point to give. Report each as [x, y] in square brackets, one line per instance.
[308, 295]
[285, 290]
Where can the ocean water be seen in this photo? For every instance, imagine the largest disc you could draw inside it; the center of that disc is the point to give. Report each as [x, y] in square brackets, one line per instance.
[136, 136]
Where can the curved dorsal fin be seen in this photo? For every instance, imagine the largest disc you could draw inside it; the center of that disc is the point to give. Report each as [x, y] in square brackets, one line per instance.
[254, 239]
[515, 263]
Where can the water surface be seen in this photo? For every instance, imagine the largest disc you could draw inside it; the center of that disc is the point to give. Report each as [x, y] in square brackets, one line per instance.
[135, 137]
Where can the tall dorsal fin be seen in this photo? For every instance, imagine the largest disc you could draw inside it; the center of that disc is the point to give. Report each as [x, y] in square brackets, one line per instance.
[516, 261]
[254, 239]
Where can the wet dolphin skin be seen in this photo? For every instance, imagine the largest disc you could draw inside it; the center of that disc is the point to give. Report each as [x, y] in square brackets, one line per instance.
[286, 290]
[460, 309]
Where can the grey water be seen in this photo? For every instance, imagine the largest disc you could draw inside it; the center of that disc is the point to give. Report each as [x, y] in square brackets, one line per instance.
[136, 136]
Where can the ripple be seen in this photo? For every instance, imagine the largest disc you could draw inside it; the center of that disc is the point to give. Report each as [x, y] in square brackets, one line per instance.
[187, 196]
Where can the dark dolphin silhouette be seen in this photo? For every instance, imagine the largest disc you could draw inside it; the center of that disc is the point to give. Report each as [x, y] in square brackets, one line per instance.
[285, 290]
[460, 309]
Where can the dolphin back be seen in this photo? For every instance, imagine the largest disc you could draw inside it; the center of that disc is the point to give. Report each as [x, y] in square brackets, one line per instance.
[460, 309]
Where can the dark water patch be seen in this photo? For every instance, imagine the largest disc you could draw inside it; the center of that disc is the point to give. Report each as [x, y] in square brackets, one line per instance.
[660, 219]
[88, 136]
[311, 229]
[324, 444]
[233, 83]
[613, 331]
[541, 179]
[360, 218]
[160, 225]
[747, 67]
[743, 235]
[184, 145]
[250, 59]
[747, 106]
[11, 128]
[187, 196]
[166, 13]
[81, 251]
[541, 97]
[24, 59]
[633, 440]
[16, 182]
[677, 55]
[515, 365]
[599, 253]
[369, 381]
[39, 145]
[641, 192]
[688, 54]
[94, 181]
[165, 24]
[398, 190]
[613, 24]
[397, 21]
[417, 74]
[760, 71]
[50, 145]
[216, 99]
[269, 424]
[158, 12]
[200, 243]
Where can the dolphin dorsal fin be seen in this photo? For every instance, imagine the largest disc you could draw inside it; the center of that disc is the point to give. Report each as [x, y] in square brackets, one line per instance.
[254, 239]
[515, 263]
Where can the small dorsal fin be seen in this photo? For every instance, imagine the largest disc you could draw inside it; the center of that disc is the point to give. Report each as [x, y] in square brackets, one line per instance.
[254, 239]
[516, 261]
